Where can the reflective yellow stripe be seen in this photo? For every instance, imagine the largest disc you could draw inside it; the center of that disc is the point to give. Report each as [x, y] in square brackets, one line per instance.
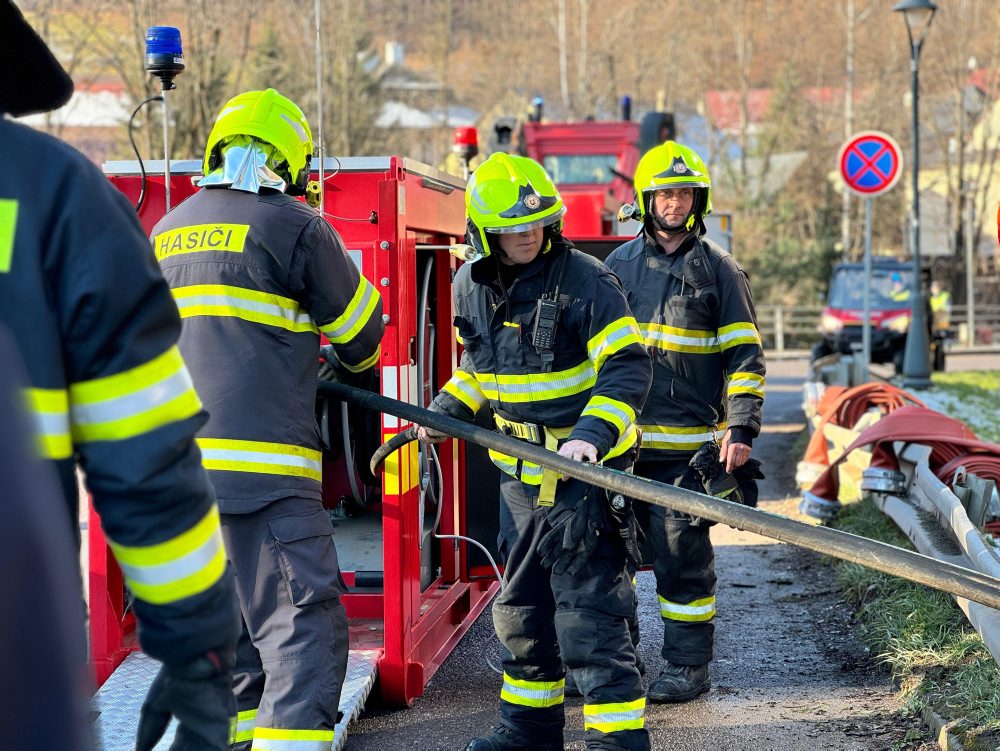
[612, 338]
[669, 437]
[614, 717]
[401, 468]
[695, 611]
[278, 739]
[626, 442]
[618, 413]
[8, 225]
[359, 310]
[199, 238]
[245, 722]
[508, 464]
[134, 401]
[368, 362]
[738, 333]
[182, 566]
[746, 383]
[226, 301]
[532, 693]
[533, 387]
[465, 388]
[458, 337]
[531, 473]
[49, 410]
[673, 339]
[228, 455]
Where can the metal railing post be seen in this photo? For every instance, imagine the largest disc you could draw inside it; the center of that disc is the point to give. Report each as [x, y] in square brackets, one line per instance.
[779, 329]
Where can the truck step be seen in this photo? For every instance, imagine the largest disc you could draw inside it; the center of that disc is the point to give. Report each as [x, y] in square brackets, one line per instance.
[115, 707]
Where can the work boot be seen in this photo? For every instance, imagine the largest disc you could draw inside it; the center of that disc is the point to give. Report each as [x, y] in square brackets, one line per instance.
[571, 687]
[679, 683]
[504, 738]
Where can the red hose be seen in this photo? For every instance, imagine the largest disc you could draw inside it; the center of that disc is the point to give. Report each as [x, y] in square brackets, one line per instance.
[848, 406]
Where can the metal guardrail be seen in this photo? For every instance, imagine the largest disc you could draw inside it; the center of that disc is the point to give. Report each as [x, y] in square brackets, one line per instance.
[791, 327]
[929, 514]
[935, 521]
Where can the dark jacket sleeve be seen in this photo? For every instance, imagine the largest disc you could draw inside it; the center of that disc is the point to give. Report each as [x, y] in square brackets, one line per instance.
[134, 416]
[624, 371]
[461, 396]
[345, 305]
[742, 353]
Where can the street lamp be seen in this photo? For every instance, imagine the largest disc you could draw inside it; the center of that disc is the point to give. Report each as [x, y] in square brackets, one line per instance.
[918, 15]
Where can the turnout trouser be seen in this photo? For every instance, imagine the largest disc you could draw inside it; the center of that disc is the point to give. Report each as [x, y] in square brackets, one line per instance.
[544, 620]
[292, 656]
[683, 562]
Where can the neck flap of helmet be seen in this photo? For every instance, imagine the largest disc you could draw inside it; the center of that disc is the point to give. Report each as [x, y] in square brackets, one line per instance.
[248, 165]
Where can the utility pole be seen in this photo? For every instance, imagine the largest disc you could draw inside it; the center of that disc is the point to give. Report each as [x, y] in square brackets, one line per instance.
[845, 208]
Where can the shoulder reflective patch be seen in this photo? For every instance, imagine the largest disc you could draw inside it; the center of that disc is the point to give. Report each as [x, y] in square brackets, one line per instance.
[200, 238]
[8, 222]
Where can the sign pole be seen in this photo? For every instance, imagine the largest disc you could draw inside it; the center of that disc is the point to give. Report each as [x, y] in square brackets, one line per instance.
[870, 164]
[866, 332]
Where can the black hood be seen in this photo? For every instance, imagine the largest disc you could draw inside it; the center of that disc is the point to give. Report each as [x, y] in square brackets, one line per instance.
[31, 79]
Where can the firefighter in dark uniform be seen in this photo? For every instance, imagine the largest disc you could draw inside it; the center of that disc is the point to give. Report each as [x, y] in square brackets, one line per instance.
[257, 275]
[552, 348]
[43, 660]
[94, 323]
[693, 304]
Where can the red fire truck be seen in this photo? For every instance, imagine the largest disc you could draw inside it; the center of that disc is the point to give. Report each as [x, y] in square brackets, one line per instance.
[593, 163]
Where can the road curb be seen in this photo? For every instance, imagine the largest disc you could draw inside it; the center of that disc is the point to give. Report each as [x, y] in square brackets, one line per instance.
[943, 730]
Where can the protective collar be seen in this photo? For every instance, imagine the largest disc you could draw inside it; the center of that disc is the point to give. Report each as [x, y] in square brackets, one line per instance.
[247, 165]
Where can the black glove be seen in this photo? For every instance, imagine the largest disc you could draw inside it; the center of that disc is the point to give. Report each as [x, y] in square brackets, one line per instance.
[199, 694]
[574, 533]
[747, 477]
[330, 367]
[712, 472]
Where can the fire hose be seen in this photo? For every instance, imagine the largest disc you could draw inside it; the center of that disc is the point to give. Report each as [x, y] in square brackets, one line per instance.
[880, 556]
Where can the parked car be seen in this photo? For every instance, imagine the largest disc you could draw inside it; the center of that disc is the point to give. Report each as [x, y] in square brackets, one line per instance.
[842, 320]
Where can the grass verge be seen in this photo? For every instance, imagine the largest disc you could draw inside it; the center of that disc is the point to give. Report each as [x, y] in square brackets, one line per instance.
[972, 396]
[921, 635]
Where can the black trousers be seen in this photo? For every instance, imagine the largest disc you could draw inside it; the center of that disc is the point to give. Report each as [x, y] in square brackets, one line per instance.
[683, 562]
[544, 620]
[291, 660]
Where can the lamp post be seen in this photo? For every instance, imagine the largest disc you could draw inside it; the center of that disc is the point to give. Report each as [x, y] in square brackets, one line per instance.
[918, 15]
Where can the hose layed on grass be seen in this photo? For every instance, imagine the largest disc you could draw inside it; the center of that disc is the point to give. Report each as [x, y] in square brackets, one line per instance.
[889, 559]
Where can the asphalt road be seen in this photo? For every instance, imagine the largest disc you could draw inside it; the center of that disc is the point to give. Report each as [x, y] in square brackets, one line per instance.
[789, 672]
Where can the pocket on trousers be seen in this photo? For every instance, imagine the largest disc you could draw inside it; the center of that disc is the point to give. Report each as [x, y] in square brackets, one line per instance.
[307, 557]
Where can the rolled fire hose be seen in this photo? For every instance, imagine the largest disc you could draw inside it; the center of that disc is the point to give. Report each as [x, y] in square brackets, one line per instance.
[880, 556]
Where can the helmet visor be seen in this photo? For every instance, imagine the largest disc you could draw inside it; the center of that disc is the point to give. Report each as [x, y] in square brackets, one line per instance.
[529, 223]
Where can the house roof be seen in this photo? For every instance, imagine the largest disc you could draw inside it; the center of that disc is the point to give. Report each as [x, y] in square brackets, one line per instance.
[722, 108]
[100, 104]
[399, 115]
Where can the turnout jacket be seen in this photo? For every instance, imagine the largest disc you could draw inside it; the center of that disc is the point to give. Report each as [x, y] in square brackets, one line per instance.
[697, 319]
[600, 373]
[94, 323]
[256, 279]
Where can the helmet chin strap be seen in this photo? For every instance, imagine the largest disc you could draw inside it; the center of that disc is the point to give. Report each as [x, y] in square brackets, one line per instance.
[686, 226]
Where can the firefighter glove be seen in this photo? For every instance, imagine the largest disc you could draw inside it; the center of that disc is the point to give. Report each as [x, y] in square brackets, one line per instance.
[714, 478]
[199, 694]
[574, 534]
[747, 477]
[330, 368]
